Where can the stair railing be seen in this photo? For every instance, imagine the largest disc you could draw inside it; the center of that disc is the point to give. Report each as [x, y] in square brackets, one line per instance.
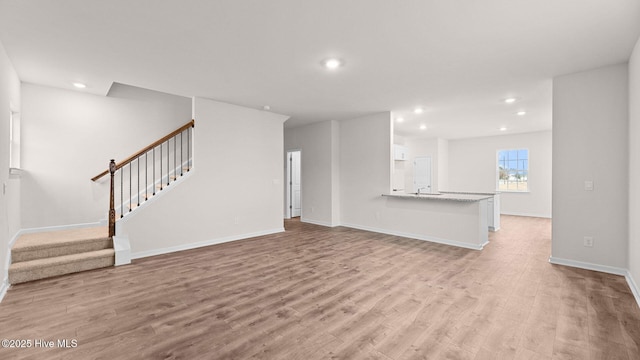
[150, 164]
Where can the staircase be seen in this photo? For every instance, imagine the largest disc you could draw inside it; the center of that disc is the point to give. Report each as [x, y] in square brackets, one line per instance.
[48, 254]
[133, 181]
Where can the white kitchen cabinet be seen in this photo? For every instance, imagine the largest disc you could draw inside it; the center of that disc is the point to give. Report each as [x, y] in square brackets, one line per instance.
[493, 212]
[400, 152]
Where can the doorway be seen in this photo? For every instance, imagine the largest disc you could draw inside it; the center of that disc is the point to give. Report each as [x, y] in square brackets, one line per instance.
[294, 186]
[422, 174]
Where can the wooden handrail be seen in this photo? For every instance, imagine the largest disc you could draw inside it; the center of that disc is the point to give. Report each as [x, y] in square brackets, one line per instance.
[112, 209]
[141, 152]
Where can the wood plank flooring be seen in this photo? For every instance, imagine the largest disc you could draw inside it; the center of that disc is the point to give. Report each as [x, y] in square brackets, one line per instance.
[321, 293]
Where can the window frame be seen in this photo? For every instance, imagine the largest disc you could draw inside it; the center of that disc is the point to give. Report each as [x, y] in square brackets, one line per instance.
[526, 170]
[14, 137]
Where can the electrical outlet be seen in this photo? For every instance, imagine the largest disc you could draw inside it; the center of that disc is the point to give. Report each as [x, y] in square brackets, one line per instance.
[588, 241]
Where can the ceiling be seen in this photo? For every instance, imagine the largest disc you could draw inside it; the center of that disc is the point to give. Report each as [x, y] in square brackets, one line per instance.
[458, 60]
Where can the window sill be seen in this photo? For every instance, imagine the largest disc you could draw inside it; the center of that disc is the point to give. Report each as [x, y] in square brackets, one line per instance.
[15, 171]
[514, 191]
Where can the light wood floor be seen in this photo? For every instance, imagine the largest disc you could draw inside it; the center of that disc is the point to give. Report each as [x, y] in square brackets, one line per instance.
[320, 293]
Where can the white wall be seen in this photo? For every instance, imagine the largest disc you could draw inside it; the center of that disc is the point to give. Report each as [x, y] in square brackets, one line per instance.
[473, 162]
[319, 170]
[365, 168]
[234, 190]
[443, 164]
[634, 165]
[398, 172]
[336, 148]
[10, 195]
[69, 136]
[590, 142]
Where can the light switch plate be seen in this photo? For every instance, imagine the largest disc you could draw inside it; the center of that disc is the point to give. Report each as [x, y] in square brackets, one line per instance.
[588, 185]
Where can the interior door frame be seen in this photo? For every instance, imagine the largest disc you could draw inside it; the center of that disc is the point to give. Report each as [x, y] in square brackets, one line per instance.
[288, 185]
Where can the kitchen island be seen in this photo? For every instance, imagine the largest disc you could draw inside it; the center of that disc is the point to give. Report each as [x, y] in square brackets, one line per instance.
[447, 196]
[449, 218]
[493, 206]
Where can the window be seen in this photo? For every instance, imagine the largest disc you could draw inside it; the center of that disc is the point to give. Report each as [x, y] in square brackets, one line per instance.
[14, 139]
[513, 170]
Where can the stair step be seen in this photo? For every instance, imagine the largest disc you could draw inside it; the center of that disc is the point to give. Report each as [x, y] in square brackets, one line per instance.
[59, 243]
[60, 265]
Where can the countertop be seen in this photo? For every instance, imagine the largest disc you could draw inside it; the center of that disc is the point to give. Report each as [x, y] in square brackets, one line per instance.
[470, 192]
[466, 197]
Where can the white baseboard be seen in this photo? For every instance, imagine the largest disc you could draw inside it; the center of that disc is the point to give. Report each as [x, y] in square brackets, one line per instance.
[419, 237]
[122, 249]
[14, 238]
[635, 290]
[3, 289]
[634, 287]
[5, 272]
[545, 216]
[4, 286]
[588, 266]
[54, 228]
[171, 249]
[7, 263]
[318, 222]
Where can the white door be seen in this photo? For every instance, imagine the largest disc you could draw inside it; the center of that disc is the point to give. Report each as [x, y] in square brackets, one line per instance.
[295, 186]
[422, 174]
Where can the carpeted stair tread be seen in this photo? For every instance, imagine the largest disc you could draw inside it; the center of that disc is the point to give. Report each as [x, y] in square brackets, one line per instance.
[60, 265]
[65, 259]
[59, 237]
[59, 243]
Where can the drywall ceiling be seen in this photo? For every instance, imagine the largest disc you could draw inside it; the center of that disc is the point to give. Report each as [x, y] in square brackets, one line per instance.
[456, 59]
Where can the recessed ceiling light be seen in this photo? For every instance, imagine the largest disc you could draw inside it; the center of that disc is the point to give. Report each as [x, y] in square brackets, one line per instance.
[423, 127]
[510, 100]
[521, 113]
[418, 110]
[79, 85]
[399, 119]
[332, 63]
[503, 129]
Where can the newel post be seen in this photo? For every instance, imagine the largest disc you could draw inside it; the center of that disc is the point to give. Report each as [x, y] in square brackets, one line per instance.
[112, 210]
